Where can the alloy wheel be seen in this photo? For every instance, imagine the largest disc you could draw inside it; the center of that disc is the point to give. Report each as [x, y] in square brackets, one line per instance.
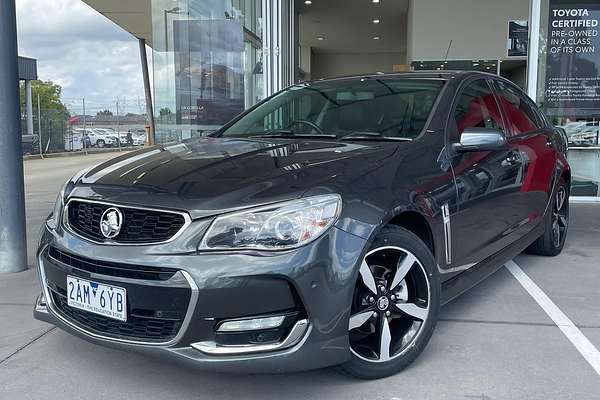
[560, 221]
[390, 305]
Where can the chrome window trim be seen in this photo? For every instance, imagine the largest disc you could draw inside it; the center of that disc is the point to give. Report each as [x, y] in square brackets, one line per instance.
[182, 329]
[65, 222]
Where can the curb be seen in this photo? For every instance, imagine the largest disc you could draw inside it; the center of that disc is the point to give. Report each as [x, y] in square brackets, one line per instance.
[78, 153]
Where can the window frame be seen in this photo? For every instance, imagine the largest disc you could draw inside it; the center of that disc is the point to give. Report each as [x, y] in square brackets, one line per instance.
[459, 92]
[541, 123]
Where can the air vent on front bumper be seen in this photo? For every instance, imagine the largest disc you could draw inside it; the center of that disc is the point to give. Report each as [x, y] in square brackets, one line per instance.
[159, 300]
[139, 225]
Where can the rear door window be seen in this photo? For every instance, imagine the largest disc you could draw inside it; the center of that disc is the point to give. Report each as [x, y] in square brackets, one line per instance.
[522, 118]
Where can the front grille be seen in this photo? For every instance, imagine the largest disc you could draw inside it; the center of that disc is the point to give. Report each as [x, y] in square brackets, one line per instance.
[137, 327]
[112, 269]
[139, 225]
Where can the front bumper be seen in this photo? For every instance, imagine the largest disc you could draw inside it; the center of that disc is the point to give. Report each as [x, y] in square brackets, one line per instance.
[315, 281]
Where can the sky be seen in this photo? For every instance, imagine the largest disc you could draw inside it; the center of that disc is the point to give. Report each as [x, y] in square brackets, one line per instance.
[84, 52]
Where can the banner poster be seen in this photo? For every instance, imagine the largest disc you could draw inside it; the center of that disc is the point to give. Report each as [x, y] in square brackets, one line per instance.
[573, 59]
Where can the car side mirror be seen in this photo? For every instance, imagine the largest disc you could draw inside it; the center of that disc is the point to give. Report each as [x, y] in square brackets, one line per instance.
[480, 139]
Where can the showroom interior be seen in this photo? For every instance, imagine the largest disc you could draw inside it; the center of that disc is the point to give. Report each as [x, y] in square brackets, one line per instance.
[212, 59]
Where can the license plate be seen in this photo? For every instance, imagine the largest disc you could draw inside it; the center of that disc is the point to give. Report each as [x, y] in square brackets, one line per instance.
[98, 298]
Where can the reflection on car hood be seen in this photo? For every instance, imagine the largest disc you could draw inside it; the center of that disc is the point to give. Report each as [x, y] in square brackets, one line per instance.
[211, 175]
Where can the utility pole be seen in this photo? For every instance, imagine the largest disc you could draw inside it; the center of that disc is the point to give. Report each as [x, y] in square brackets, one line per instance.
[13, 238]
[40, 127]
[84, 128]
[118, 126]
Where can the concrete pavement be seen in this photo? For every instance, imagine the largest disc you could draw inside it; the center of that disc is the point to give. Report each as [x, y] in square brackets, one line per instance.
[494, 342]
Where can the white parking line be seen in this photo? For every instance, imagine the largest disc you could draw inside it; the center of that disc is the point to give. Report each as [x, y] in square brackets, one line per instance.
[581, 343]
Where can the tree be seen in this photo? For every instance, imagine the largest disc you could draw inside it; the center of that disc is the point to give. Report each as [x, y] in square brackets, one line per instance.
[165, 112]
[54, 113]
[105, 113]
[49, 93]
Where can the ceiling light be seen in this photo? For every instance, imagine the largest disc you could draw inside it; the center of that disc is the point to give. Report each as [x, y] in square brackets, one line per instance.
[320, 38]
[376, 21]
[308, 2]
[375, 1]
[376, 38]
[475, 64]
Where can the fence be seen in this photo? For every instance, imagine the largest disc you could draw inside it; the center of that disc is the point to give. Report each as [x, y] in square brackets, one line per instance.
[59, 131]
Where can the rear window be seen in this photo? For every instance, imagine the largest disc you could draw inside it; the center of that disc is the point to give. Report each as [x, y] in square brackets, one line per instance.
[391, 107]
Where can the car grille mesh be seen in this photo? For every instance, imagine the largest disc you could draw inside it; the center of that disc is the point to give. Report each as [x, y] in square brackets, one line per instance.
[139, 225]
[136, 327]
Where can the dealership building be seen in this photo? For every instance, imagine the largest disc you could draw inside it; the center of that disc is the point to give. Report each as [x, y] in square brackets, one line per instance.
[214, 58]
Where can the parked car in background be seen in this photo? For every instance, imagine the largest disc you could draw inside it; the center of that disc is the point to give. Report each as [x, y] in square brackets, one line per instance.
[574, 127]
[131, 139]
[586, 136]
[30, 144]
[99, 137]
[328, 234]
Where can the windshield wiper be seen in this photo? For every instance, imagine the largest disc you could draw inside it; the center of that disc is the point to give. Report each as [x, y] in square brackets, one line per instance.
[375, 136]
[283, 133]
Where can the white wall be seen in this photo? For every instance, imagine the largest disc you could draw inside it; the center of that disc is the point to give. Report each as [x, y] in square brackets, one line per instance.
[327, 65]
[478, 28]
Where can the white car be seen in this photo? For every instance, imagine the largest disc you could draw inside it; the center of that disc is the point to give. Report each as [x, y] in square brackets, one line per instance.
[588, 136]
[98, 138]
[136, 139]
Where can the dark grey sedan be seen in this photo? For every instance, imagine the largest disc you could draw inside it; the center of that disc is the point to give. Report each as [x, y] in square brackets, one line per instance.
[324, 226]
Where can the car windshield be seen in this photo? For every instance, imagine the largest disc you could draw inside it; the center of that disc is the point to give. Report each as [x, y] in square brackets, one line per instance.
[373, 108]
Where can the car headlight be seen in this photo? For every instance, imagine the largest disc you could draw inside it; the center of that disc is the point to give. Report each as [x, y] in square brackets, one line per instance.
[54, 219]
[275, 227]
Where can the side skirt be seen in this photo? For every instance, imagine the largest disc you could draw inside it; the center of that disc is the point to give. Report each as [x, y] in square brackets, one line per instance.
[456, 286]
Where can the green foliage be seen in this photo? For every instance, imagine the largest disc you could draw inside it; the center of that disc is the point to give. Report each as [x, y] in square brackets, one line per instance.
[104, 113]
[165, 112]
[54, 114]
[49, 93]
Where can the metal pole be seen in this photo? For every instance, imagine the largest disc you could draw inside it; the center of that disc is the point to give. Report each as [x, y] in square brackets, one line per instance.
[147, 90]
[535, 10]
[118, 126]
[84, 128]
[29, 107]
[13, 238]
[40, 127]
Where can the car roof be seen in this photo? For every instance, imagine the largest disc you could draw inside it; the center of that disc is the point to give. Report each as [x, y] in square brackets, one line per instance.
[441, 74]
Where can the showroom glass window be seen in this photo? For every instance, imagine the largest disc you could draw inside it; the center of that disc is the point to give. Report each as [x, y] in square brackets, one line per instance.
[476, 107]
[568, 83]
[207, 57]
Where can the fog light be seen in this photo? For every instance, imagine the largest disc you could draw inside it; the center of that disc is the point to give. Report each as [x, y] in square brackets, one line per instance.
[251, 324]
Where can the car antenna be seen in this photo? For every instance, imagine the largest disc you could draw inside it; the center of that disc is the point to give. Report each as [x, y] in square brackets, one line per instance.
[447, 51]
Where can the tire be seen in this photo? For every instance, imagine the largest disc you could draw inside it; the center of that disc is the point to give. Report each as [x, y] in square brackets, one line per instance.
[406, 312]
[558, 213]
[100, 143]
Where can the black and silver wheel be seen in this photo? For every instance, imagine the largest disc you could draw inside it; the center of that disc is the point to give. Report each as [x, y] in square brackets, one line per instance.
[395, 305]
[100, 143]
[560, 217]
[552, 241]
